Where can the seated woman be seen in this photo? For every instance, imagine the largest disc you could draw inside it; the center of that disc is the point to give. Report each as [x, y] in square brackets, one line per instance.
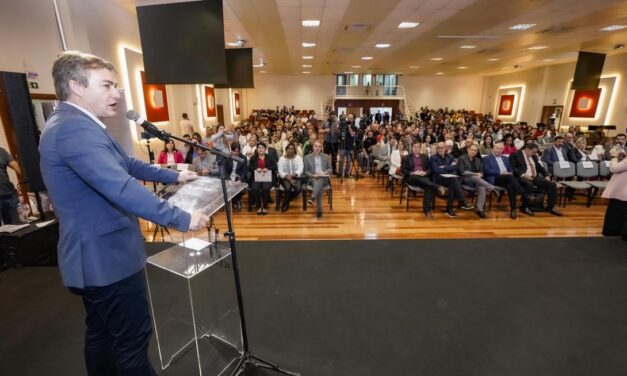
[396, 158]
[290, 171]
[265, 168]
[471, 172]
[579, 152]
[486, 146]
[169, 155]
[237, 172]
[509, 147]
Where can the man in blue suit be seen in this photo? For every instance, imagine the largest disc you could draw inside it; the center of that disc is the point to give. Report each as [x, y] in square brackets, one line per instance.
[498, 171]
[556, 153]
[95, 190]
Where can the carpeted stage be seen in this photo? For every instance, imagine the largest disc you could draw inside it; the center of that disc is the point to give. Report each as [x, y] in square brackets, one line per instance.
[402, 307]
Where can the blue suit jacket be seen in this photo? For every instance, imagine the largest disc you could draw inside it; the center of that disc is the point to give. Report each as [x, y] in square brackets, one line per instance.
[97, 200]
[491, 167]
[550, 156]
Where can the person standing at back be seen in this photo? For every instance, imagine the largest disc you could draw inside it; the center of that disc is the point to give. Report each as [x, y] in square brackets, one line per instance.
[97, 197]
[8, 195]
[186, 126]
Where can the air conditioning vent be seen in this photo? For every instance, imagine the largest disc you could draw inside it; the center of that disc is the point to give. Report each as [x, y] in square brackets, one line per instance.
[557, 30]
[357, 27]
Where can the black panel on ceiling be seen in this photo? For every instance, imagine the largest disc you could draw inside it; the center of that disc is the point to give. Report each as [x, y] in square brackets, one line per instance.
[588, 71]
[183, 43]
[239, 67]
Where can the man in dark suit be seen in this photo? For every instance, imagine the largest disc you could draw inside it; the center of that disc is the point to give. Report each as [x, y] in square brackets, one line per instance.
[444, 168]
[498, 171]
[95, 190]
[530, 174]
[556, 153]
[417, 170]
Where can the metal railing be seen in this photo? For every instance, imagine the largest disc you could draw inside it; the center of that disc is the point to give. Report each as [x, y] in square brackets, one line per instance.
[349, 91]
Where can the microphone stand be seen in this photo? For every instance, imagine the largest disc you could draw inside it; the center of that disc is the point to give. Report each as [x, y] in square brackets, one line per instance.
[246, 357]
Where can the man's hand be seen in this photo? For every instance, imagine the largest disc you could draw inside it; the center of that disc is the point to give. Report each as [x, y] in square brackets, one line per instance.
[527, 177]
[505, 173]
[186, 175]
[198, 221]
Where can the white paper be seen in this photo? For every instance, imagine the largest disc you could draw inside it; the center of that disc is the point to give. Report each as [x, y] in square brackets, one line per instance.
[608, 163]
[449, 175]
[587, 164]
[42, 224]
[12, 228]
[182, 167]
[195, 244]
[564, 164]
[263, 176]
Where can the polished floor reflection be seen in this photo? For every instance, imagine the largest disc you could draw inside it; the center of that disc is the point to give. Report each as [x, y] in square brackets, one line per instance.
[363, 209]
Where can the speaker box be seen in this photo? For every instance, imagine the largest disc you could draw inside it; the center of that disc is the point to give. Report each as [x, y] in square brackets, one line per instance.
[20, 127]
[31, 246]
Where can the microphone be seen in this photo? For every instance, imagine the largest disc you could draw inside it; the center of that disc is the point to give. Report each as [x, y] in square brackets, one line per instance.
[148, 126]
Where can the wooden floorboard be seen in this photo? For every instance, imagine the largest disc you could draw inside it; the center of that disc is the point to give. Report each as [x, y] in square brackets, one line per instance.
[363, 209]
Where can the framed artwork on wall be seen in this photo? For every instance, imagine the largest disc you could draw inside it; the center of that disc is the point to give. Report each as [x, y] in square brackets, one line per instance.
[155, 101]
[236, 102]
[210, 102]
[585, 103]
[506, 105]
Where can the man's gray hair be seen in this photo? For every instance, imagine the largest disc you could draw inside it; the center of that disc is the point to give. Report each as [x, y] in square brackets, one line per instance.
[74, 65]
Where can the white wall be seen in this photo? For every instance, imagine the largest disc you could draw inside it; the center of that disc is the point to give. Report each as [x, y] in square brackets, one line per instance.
[547, 86]
[439, 92]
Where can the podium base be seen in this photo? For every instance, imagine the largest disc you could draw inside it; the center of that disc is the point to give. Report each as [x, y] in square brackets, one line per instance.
[248, 363]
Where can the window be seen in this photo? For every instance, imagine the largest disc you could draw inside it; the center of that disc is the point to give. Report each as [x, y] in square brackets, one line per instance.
[340, 80]
[378, 79]
[353, 79]
[390, 80]
[366, 80]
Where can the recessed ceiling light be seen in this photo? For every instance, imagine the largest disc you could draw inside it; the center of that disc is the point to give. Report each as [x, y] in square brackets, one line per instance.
[398, 72]
[306, 65]
[440, 73]
[238, 43]
[522, 26]
[263, 71]
[259, 65]
[494, 59]
[414, 66]
[306, 72]
[308, 57]
[356, 66]
[436, 58]
[309, 44]
[310, 23]
[462, 67]
[382, 45]
[408, 25]
[366, 58]
[348, 72]
[468, 46]
[613, 28]
[468, 36]
[538, 47]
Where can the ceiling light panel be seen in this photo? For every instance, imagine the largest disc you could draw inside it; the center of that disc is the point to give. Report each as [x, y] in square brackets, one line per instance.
[308, 57]
[535, 48]
[408, 25]
[436, 58]
[522, 26]
[468, 46]
[306, 65]
[382, 45]
[366, 58]
[310, 23]
[308, 44]
[613, 28]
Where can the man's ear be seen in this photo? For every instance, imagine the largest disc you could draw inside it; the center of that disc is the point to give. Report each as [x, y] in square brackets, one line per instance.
[75, 88]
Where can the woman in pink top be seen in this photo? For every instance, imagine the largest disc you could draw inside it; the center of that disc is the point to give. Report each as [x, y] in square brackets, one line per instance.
[509, 147]
[616, 214]
[170, 155]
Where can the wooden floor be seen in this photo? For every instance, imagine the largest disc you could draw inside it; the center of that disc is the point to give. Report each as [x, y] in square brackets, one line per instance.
[364, 210]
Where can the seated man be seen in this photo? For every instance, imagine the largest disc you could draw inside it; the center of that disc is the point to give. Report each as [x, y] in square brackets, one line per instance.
[471, 171]
[416, 170]
[529, 172]
[556, 153]
[317, 169]
[204, 163]
[442, 164]
[498, 171]
[237, 172]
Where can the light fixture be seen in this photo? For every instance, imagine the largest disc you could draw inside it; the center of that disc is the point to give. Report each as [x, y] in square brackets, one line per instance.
[462, 67]
[310, 23]
[414, 66]
[613, 28]
[408, 25]
[260, 65]
[366, 58]
[440, 73]
[382, 45]
[263, 72]
[348, 72]
[468, 46]
[538, 48]
[306, 65]
[306, 72]
[522, 26]
[238, 43]
[494, 59]
[468, 36]
[309, 44]
[356, 66]
[436, 58]
[308, 57]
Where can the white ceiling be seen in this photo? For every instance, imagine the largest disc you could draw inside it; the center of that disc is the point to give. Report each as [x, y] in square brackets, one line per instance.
[273, 28]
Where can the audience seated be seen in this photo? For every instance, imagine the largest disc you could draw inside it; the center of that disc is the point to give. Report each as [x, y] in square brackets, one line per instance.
[417, 172]
[317, 170]
[237, 172]
[444, 169]
[290, 170]
[205, 163]
[471, 171]
[261, 169]
[170, 155]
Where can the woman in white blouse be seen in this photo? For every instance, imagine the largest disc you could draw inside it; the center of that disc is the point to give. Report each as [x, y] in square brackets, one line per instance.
[396, 157]
[290, 171]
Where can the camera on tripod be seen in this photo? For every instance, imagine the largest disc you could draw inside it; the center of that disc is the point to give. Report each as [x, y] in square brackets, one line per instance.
[147, 136]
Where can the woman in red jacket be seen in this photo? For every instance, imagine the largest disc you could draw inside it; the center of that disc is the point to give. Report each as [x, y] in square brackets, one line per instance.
[170, 155]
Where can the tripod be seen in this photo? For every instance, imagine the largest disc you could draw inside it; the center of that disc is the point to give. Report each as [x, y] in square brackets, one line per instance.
[246, 358]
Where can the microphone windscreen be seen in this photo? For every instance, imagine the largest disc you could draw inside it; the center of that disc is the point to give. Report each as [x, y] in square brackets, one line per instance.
[132, 115]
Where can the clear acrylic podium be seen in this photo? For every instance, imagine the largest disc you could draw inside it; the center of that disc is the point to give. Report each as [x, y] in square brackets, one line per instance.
[193, 296]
